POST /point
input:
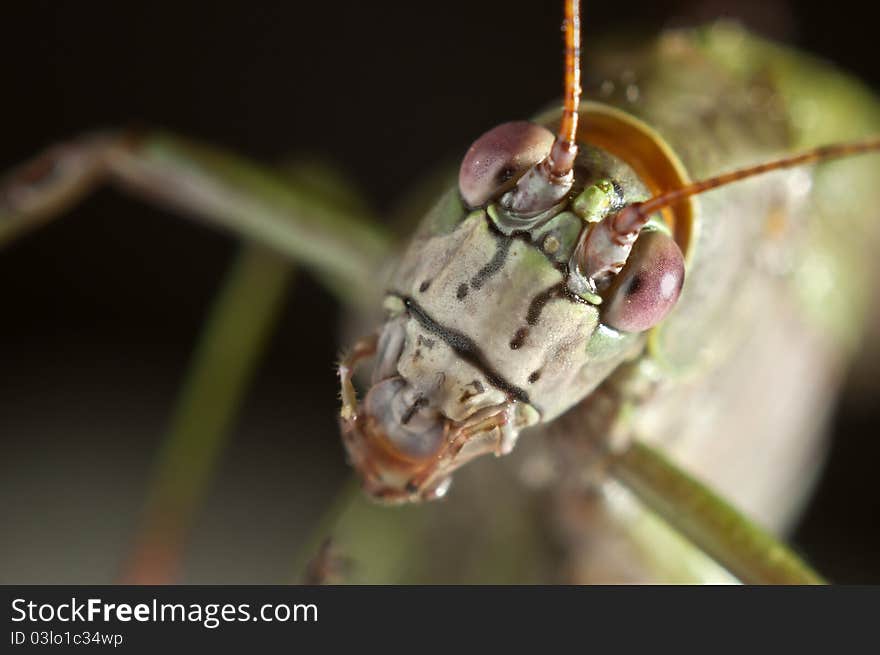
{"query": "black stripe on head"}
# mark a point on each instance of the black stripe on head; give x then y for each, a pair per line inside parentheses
(464, 347)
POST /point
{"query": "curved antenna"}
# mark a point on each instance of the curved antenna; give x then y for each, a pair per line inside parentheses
(605, 248)
(633, 217)
(564, 151)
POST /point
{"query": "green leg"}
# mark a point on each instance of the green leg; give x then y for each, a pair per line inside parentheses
(707, 521)
(316, 226)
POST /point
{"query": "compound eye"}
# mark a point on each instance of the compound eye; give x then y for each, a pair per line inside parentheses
(499, 158)
(647, 287)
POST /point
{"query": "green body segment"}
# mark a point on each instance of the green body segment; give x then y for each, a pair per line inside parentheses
(823, 105)
(779, 278)
(813, 225)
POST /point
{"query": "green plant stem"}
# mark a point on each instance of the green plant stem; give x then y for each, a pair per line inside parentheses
(232, 341)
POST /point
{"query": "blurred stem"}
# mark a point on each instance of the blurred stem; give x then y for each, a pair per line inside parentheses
(718, 529)
(233, 339)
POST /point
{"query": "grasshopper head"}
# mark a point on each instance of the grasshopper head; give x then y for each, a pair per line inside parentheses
(514, 301)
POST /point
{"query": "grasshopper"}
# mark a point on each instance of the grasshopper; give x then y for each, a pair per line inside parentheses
(543, 292)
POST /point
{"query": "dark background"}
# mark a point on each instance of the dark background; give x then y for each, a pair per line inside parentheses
(100, 310)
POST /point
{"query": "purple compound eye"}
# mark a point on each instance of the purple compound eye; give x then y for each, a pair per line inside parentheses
(648, 286)
(499, 158)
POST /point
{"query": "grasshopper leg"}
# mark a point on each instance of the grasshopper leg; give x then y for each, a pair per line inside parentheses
(714, 526)
(315, 228)
(675, 520)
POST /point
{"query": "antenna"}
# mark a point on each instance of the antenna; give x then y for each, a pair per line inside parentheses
(548, 181)
(633, 217)
(562, 155)
(605, 248)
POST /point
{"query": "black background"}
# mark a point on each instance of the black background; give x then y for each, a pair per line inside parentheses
(100, 310)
